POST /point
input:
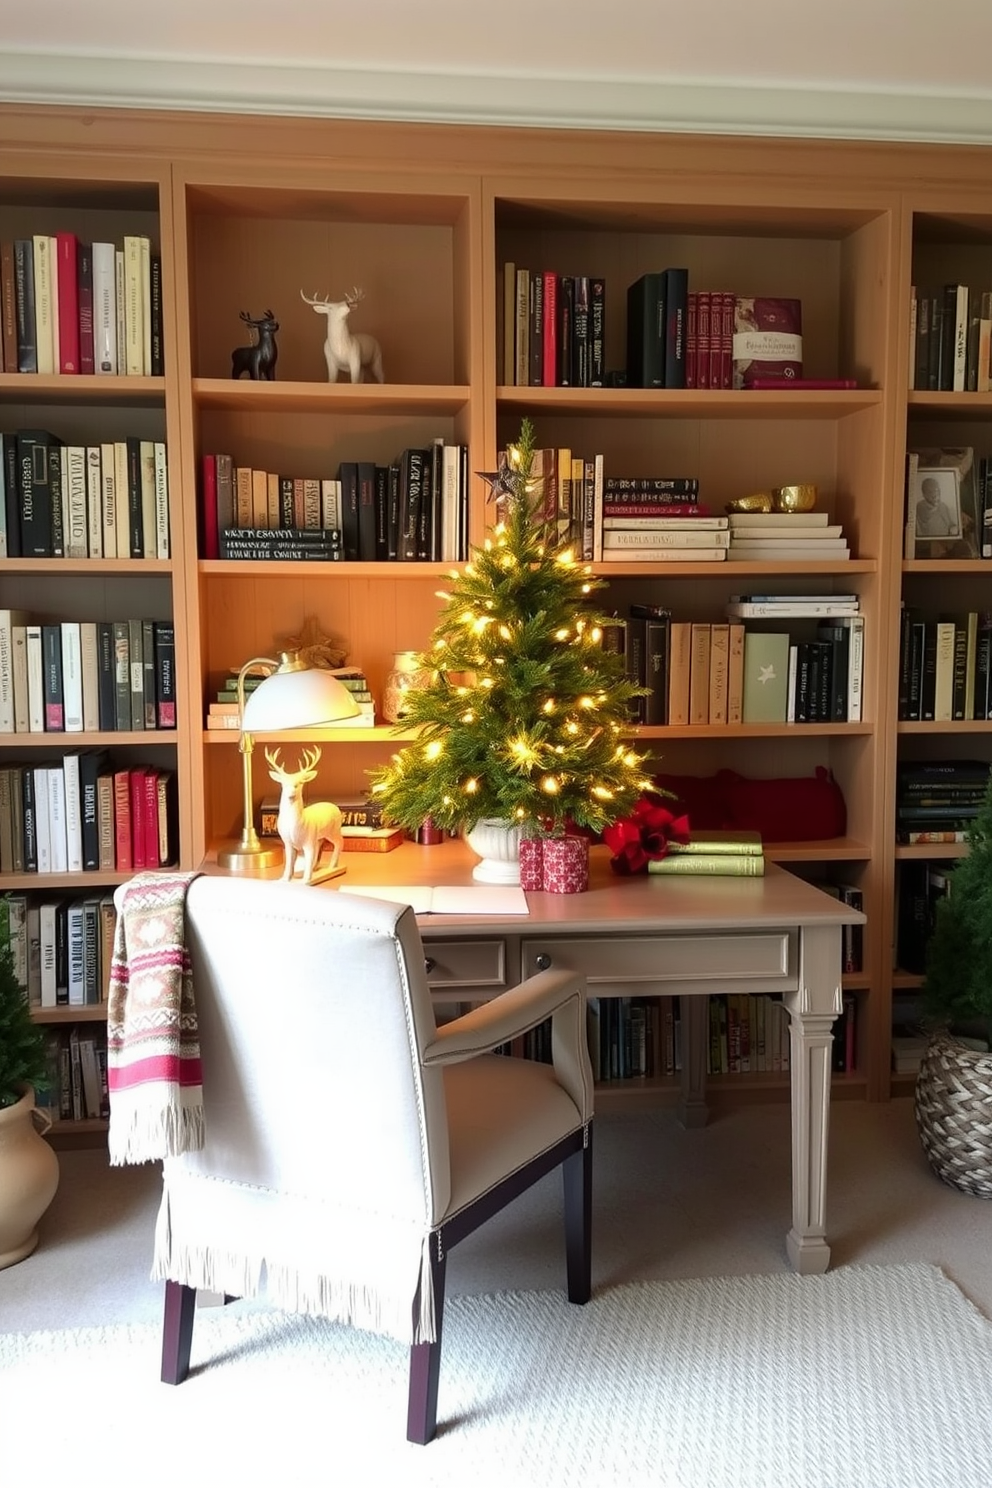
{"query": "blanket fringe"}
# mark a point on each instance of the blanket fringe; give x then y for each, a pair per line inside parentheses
(146, 1135)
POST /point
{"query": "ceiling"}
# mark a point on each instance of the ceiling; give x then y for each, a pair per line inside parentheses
(893, 69)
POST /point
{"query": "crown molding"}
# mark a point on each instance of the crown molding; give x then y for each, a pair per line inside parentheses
(576, 103)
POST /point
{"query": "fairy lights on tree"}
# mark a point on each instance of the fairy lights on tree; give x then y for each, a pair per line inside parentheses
(525, 714)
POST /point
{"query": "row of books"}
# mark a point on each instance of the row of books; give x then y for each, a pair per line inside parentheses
(69, 306)
(633, 1038)
(682, 338)
(414, 509)
(921, 884)
(61, 948)
(86, 676)
(554, 328)
(937, 800)
(945, 666)
(224, 712)
(107, 500)
(85, 814)
(786, 537)
(597, 514)
(721, 672)
(951, 335)
(77, 1061)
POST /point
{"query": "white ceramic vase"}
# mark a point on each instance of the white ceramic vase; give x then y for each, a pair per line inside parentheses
(497, 844)
(29, 1176)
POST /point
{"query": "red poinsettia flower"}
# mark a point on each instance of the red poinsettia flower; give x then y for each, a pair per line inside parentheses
(644, 835)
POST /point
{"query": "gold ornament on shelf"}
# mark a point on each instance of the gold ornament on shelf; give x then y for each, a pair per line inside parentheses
(759, 501)
(794, 498)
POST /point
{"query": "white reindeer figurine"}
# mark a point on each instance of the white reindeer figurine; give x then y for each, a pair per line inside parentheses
(344, 352)
(304, 829)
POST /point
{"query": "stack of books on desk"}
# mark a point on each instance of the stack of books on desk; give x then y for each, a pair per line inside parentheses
(735, 854)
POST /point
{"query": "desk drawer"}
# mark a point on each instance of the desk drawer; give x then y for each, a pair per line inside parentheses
(456, 964)
(754, 961)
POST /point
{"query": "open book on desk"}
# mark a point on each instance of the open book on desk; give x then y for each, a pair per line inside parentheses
(480, 899)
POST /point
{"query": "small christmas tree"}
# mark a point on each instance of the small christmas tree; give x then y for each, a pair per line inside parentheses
(23, 1043)
(525, 713)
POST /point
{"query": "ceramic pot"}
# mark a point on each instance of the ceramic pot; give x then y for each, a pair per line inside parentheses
(497, 844)
(565, 865)
(29, 1176)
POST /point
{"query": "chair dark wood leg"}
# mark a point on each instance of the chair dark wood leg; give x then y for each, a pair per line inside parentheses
(177, 1331)
(577, 1175)
(425, 1369)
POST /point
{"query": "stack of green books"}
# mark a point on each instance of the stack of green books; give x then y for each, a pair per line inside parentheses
(737, 854)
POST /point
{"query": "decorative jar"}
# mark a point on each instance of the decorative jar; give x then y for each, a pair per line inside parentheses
(406, 676)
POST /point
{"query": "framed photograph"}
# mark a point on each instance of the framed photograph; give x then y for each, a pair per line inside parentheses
(942, 504)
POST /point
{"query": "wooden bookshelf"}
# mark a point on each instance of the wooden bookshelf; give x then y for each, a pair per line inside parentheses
(249, 211)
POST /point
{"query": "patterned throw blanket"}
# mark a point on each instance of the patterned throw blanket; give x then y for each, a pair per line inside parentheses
(153, 1055)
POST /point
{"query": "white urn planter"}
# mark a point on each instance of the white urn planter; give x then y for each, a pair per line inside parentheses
(29, 1176)
(497, 844)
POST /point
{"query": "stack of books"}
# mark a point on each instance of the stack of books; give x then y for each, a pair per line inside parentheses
(937, 800)
(786, 536)
(686, 539)
(738, 854)
(223, 712)
(355, 680)
(362, 828)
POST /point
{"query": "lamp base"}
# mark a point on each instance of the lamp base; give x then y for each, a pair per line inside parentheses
(241, 859)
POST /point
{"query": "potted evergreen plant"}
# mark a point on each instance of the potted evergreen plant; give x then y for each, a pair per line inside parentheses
(29, 1169)
(954, 1087)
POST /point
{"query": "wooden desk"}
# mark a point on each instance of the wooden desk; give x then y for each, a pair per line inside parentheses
(650, 936)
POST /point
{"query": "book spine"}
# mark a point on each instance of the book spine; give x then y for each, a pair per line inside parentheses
(84, 301)
(165, 674)
(104, 309)
(155, 315)
(27, 336)
(8, 305)
(67, 271)
(738, 865)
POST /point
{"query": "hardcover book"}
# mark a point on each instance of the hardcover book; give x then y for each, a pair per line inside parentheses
(766, 673)
(768, 340)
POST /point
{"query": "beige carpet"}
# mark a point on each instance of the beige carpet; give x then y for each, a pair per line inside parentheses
(868, 1377)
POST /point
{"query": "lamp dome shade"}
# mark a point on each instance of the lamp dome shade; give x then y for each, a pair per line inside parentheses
(298, 698)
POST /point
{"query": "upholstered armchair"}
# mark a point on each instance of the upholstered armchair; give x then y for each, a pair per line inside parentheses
(349, 1142)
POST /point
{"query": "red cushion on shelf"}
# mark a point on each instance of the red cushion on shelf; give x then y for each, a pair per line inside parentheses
(789, 809)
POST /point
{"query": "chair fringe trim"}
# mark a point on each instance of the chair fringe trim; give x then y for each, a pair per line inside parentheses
(239, 1273)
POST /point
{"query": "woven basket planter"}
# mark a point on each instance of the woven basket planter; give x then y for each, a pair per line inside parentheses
(954, 1114)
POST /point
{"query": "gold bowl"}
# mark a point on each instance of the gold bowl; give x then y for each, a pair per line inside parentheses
(794, 498)
(759, 501)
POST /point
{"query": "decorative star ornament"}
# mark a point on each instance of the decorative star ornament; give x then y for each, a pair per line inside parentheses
(502, 482)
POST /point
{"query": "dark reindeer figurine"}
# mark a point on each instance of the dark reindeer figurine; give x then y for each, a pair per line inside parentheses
(259, 360)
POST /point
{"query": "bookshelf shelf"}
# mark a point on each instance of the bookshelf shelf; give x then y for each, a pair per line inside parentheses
(69, 1015)
(60, 743)
(276, 568)
(123, 392)
(327, 398)
(678, 403)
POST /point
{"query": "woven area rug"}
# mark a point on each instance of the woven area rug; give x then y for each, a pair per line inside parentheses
(875, 1377)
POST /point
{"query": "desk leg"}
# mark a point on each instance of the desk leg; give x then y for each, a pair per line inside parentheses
(692, 1110)
(812, 1010)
